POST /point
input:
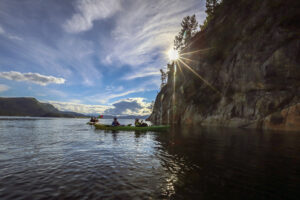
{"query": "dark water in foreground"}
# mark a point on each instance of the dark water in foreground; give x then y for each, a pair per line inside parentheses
(67, 159)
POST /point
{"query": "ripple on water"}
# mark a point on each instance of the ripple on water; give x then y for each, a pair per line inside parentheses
(64, 158)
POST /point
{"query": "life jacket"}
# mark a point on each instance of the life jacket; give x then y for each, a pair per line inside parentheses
(115, 123)
(137, 124)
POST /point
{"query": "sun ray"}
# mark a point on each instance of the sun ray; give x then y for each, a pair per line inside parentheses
(180, 68)
(174, 92)
(192, 52)
(178, 63)
(191, 43)
(188, 59)
(200, 77)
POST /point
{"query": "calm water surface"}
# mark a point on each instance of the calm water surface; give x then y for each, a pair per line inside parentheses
(44, 158)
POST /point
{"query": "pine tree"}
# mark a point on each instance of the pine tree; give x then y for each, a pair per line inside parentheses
(189, 27)
(211, 6)
(194, 25)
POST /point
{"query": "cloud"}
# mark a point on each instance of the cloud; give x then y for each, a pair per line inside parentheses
(111, 88)
(130, 106)
(140, 31)
(3, 88)
(145, 72)
(8, 35)
(71, 57)
(31, 77)
(107, 96)
(145, 30)
(88, 12)
(46, 48)
(1, 30)
(56, 93)
(134, 34)
(79, 108)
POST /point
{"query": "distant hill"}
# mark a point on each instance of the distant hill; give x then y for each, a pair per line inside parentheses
(31, 107)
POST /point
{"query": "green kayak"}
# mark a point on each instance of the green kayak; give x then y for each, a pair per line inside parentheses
(131, 128)
(91, 123)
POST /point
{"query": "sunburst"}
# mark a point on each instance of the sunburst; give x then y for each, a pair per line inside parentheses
(173, 54)
(176, 58)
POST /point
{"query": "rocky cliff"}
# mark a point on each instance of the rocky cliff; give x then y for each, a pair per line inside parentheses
(241, 70)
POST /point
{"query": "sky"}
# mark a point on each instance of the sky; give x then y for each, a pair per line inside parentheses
(89, 56)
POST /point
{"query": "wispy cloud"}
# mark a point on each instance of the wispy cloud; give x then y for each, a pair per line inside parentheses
(145, 72)
(3, 88)
(1, 30)
(8, 35)
(107, 96)
(145, 30)
(111, 88)
(56, 93)
(142, 30)
(31, 77)
(88, 12)
(110, 95)
(90, 45)
(70, 57)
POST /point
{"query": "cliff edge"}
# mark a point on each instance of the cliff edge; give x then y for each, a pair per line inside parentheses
(241, 70)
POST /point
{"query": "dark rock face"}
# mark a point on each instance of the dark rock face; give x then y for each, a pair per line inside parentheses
(246, 74)
(286, 119)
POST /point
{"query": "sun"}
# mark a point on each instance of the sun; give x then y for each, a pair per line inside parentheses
(173, 54)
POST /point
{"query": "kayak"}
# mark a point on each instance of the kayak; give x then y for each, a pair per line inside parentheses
(91, 123)
(130, 128)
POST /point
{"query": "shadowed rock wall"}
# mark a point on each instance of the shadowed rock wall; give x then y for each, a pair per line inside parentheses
(248, 70)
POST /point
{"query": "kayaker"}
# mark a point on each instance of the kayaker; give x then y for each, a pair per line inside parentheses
(140, 124)
(93, 119)
(137, 123)
(115, 122)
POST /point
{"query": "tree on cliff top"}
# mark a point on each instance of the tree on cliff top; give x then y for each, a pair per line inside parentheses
(211, 6)
(189, 27)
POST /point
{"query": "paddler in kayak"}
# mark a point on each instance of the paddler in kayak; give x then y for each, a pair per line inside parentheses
(137, 123)
(115, 122)
(94, 119)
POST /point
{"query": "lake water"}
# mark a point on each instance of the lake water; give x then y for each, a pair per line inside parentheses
(54, 158)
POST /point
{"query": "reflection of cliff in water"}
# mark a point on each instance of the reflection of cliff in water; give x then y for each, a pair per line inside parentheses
(114, 134)
(229, 164)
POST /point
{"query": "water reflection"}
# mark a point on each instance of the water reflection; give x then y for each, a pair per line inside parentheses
(61, 159)
(114, 135)
(215, 163)
(139, 134)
